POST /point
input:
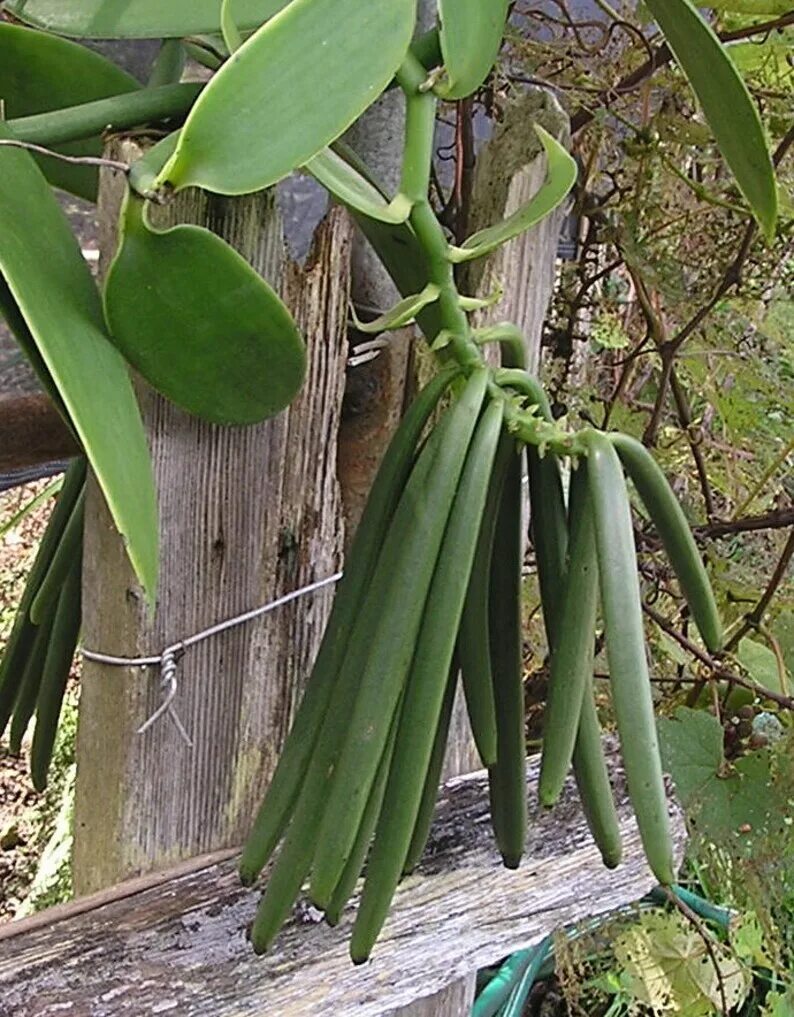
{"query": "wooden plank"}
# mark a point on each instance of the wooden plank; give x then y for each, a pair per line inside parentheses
(180, 946)
(32, 432)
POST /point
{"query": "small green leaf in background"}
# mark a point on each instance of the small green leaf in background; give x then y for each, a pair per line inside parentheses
(40, 73)
(471, 35)
(141, 19)
(745, 803)
(667, 967)
(199, 324)
(691, 747)
(354, 191)
(760, 663)
(560, 177)
(726, 102)
(289, 91)
(608, 332)
(749, 942)
(778, 1004)
(54, 292)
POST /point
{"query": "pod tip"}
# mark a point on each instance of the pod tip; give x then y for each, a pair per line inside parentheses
(511, 861)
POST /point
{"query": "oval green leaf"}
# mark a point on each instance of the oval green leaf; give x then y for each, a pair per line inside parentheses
(55, 294)
(289, 91)
(560, 178)
(471, 35)
(354, 191)
(199, 324)
(140, 19)
(726, 102)
(40, 73)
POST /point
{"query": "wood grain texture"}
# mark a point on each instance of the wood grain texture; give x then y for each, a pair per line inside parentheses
(180, 946)
(247, 514)
(510, 169)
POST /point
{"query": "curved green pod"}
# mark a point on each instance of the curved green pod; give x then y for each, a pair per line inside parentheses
(507, 777)
(23, 632)
(471, 35)
(25, 702)
(592, 780)
(427, 805)
(474, 651)
(199, 324)
(142, 19)
(69, 546)
(354, 865)
(396, 610)
(289, 91)
(390, 480)
(572, 654)
(404, 553)
(669, 519)
(423, 702)
(628, 665)
(40, 73)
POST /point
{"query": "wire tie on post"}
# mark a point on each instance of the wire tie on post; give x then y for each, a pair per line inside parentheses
(168, 660)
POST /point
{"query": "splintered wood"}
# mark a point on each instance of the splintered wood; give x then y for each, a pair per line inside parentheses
(177, 943)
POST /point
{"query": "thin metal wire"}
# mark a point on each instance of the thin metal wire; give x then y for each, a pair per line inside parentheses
(168, 660)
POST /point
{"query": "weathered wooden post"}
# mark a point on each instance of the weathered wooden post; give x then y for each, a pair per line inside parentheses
(246, 516)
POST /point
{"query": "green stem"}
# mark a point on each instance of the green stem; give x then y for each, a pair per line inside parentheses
(118, 112)
(430, 235)
(420, 127)
(415, 180)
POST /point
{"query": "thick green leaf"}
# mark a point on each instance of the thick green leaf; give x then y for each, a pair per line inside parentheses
(402, 313)
(229, 27)
(139, 19)
(40, 73)
(471, 34)
(289, 91)
(199, 324)
(560, 178)
(53, 289)
(728, 106)
(353, 190)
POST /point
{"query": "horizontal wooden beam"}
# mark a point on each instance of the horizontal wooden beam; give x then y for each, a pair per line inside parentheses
(176, 943)
(32, 432)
